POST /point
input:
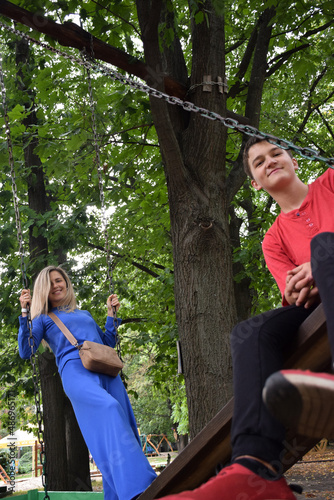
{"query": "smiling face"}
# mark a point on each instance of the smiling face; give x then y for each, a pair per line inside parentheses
(272, 168)
(58, 289)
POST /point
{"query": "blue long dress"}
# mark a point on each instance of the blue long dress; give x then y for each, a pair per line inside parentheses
(100, 402)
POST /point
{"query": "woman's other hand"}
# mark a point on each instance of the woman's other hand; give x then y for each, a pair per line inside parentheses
(113, 304)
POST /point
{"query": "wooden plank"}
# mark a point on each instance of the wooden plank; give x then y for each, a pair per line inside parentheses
(198, 461)
(311, 349)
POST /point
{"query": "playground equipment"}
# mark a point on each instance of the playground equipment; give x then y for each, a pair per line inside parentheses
(149, 448)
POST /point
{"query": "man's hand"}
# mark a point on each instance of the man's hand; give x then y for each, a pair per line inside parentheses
(300, 286)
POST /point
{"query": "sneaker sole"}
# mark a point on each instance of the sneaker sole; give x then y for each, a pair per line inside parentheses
(302, 403)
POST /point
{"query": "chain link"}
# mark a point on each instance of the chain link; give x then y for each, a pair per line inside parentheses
(13, 178)
(308, 153)
(39, 415)
(102, 199)
(35, 376)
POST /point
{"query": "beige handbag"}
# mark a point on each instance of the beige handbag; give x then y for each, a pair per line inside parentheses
(95, 357)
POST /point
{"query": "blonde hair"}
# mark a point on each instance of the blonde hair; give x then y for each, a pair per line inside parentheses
(40, 300)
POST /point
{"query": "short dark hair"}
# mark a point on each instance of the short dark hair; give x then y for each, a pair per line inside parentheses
(251, 141)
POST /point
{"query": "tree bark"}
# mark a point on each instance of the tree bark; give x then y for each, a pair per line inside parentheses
(67, 457)
(64, 452)
(194, 157)
(259, 67)
(54, 424)
(37, 198)
(77, 452)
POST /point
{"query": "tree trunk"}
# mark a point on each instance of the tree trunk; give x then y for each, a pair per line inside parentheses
(54, 424)
(77, 452)
(37, 198)
(67, 455)
(193, 151)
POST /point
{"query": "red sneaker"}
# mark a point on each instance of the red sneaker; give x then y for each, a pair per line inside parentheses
(302, 401)
(236, 482)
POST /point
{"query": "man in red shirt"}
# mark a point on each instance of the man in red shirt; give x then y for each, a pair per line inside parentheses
(299, 252)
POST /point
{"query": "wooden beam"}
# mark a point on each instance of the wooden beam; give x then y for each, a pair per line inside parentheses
(197, 462)
(72, 35)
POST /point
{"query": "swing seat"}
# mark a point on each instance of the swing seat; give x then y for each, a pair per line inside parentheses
(211, 447)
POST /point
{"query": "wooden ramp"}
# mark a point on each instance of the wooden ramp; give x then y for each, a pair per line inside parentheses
(198, 461)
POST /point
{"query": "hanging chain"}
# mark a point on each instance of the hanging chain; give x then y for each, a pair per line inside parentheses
(231, 123)
(102, 200)
(35, 377)
(13, 178)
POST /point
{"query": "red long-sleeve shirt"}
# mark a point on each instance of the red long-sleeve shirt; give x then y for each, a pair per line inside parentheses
(286, 244)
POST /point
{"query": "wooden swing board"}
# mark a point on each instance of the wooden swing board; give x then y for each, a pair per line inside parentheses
(198, 461)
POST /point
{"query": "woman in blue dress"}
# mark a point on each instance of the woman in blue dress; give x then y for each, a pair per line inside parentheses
(100, 402)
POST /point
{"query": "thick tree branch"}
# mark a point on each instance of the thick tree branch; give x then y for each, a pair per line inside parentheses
(71, 35)
(139, 266)
(310, 106)
(125, 21)
(318, 30)
(246, 60)
(133, 320)
(282, 58)
(254, 95)
(259, 67)
(149, 18)
(325, 122)
(235, 46)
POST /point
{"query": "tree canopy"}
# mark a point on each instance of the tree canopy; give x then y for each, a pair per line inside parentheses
(185, 228)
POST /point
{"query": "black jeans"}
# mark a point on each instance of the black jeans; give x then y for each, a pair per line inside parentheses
(258, 345)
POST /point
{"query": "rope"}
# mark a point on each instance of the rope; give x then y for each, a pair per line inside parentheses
(40, 433)
(305, 152)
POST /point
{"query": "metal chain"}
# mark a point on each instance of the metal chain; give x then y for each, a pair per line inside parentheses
(37, 393)
(13, 178)
(35, 376)
(102, 200)
(305, 152)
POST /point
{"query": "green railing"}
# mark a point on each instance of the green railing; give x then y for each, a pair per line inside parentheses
(61, 495)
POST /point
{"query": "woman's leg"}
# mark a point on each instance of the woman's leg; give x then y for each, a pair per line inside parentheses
(107, 423)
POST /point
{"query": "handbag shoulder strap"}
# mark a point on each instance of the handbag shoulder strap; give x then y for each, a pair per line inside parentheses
(64, 329)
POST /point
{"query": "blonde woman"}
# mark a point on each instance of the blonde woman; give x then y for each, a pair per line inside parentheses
(100, 402)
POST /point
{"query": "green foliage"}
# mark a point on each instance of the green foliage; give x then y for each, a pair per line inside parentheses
(135, 198)
(161, 407)
(25, 462)
(5, 460)
(296, 104)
